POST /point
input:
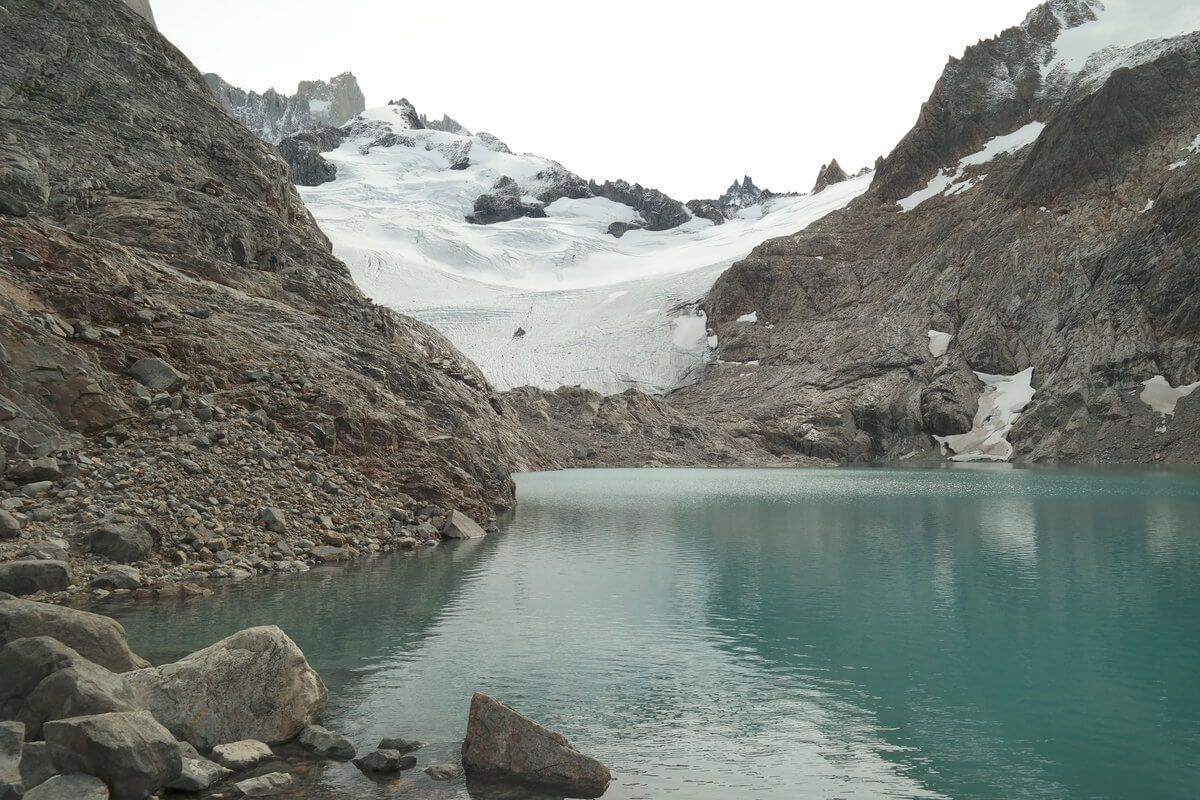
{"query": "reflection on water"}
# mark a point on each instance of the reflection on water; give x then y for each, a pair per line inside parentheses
(782, 634)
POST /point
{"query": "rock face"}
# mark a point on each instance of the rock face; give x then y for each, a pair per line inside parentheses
(502, 204)
(1068, 254)
(504, 744)
(93, 636)
(255, 684)
(129, 751)
(170, 232)
(272, 116)
(302, 152)
(829, 174)
(659, 211)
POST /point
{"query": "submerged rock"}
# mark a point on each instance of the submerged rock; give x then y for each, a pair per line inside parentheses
(399, 744)
(443, 772)
(385, 761)
(130, 751)
(326, 743)
(265, 785)
(503, 744)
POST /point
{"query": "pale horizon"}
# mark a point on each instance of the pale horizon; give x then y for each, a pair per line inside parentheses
(678, 96)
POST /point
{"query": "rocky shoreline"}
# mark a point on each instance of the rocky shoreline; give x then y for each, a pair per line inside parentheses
(204, 488)
(82, 717)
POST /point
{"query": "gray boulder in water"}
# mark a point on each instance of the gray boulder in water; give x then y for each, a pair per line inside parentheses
(503, 744)
(460, 526)
(255, 684)
(130, 751)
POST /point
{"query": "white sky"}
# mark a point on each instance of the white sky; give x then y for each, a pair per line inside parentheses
(682, 95)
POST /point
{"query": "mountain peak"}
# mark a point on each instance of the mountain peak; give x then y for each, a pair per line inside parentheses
(273, 117)
(829, 174)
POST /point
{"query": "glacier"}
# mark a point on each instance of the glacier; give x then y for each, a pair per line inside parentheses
(546, 301)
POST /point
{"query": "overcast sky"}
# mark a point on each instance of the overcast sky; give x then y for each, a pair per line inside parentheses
(682, 95)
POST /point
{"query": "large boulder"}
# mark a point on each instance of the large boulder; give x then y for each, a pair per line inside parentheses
(69, 787)
(156, 374)
(10, 526)
(12, 740)
(46, 468)
(122, 541)
(81, 689)
(97, 638)
(255, 684)
(503, 744)
(130, 751)
(460, 526)
(24, 663)
(27, 577)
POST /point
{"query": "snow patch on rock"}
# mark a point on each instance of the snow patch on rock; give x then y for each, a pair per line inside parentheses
(939, 343)
(950, 180)
(1004, 398)
(1162, 397)
(752, 318)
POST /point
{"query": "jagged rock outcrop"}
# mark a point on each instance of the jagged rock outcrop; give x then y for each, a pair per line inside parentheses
(446, 124)
(1073, 256)
(169, 231)
(503, 203)
(658, 211)
(829, 174)
(996, 87)
(740, 195)
(302, 153)
(273, 116)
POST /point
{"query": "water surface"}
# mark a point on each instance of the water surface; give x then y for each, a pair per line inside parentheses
(874, 633)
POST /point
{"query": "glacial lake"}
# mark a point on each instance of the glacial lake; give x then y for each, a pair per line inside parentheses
(974, 634)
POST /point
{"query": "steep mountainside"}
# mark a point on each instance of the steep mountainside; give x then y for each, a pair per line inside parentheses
(1022, 279)
(169, 231)
(273, 116)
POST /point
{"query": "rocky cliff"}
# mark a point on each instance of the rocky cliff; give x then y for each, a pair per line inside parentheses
(1033, 234)
(169, 232)
(273, 116)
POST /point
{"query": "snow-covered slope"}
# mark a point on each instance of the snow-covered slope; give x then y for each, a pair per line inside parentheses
(534, 301)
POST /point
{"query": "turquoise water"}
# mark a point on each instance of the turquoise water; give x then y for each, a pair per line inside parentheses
(965, 633)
